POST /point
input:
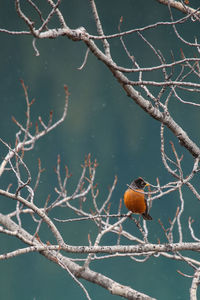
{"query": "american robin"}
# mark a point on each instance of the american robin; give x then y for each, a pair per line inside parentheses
(134, 198)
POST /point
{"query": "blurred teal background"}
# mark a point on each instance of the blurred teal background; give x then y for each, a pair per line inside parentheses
(102, 121)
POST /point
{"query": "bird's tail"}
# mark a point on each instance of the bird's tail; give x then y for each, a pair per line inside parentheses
(146, 216)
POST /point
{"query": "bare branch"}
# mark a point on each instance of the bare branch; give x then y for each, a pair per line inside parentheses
(171, 77)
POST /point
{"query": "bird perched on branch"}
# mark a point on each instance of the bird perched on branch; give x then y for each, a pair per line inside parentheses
(134, 198)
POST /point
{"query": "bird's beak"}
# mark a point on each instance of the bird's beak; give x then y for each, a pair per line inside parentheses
(147, 184)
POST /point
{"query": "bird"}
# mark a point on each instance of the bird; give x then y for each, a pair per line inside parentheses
(134, 198)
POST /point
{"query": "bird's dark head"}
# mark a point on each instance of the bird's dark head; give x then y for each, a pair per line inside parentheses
(139, 183)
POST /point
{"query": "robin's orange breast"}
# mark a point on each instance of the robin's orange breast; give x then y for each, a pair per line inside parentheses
(135, 201)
